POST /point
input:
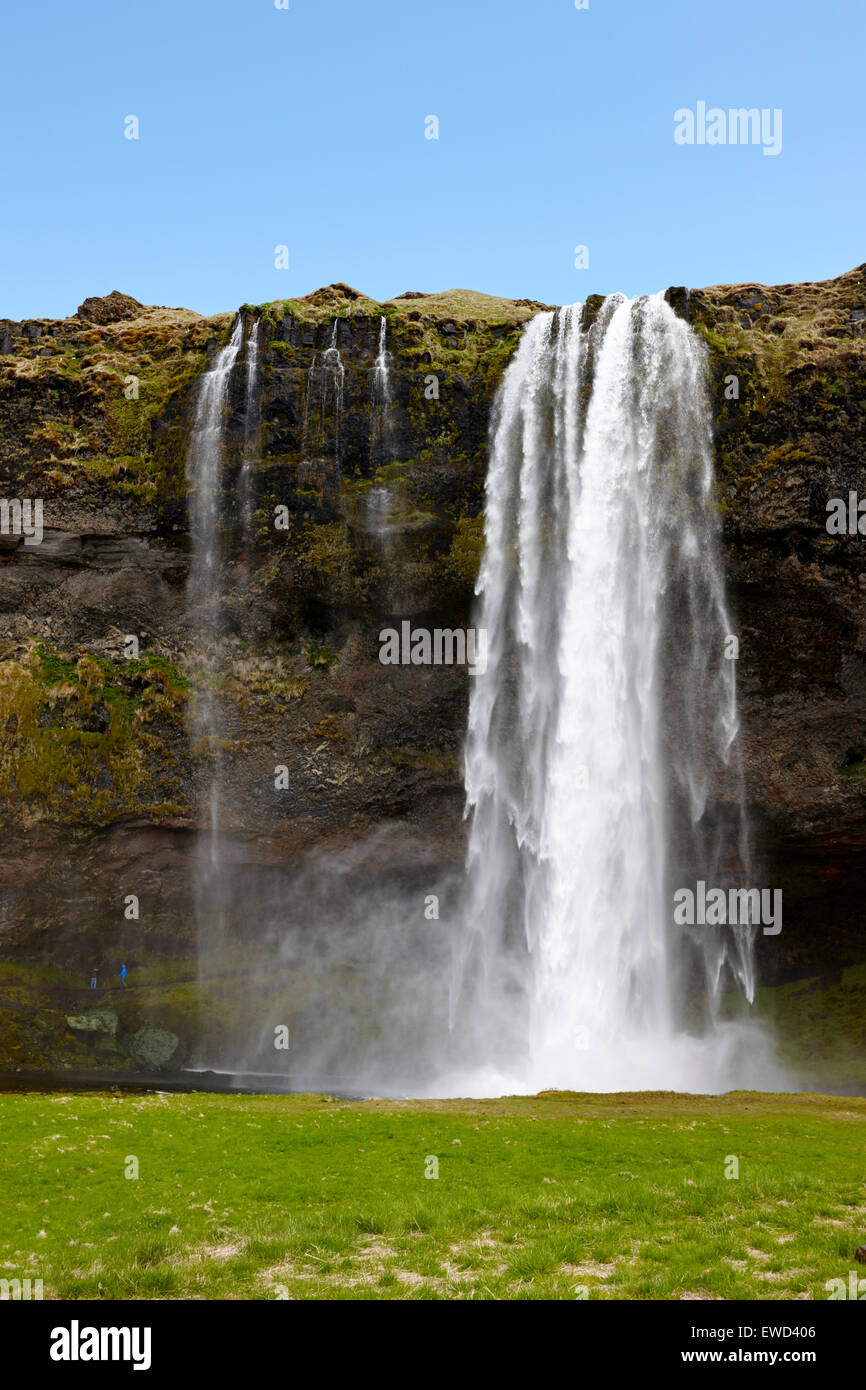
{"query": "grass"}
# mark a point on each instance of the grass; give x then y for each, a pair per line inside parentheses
(820, 1027)
(559, 1196)
(324, 304)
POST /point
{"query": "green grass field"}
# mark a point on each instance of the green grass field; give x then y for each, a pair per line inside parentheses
(559, 1196)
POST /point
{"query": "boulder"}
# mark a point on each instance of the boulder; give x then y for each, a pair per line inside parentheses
(100, 1021)
(153, 1047)
(109, 308)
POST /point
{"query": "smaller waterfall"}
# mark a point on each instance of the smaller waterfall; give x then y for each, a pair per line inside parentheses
(379, 501)
(378, 505)
(324, 395)
(205, 607)
(251, 432)
(382, 384)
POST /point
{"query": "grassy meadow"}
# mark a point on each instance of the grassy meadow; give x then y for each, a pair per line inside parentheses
(559, 1196)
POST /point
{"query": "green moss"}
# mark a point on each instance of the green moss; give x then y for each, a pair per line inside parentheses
(790, 452)
(393, 472)
(467, 548)
(425, 760)
(210, 745)
(820, 1027)
(128, 378)
(77, 734)
(128, 424)
(327, 562)
(715, 342)
(318, 654)
(56, 668)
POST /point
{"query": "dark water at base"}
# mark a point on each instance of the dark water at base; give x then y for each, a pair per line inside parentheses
(219, 1083)
(252, 1084)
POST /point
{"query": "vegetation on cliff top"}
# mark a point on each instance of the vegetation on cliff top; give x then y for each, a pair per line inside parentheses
(786, 360)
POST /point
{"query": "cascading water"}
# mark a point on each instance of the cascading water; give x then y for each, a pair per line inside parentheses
(601, 763)
(251, 429)
(382, 385)
(605, 720)
(379, 496)
(205, 602)
(324, 396)
(204, 476)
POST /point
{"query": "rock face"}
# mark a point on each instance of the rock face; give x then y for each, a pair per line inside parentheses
(788, 373)
(381, 513)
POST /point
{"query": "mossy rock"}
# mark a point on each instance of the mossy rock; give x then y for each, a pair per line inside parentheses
(153, 1047)
(100, 1021)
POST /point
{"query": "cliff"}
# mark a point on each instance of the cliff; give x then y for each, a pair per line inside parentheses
(382, 521)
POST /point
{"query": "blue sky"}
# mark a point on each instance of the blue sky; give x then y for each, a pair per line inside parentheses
(305, 127)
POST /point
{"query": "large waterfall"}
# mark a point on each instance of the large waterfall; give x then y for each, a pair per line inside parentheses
(605, 721)
(204, 475)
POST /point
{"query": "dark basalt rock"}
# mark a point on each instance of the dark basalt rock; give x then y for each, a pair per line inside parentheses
(109, 308)
(368, 745)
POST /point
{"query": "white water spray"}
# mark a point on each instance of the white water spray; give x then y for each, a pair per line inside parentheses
(382, 381)
(379, 501)
(204, 477)
(324, 396)
(205, 601)
(251, 432)
(601, 741)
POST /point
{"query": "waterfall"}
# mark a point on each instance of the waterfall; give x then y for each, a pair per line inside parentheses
(204, 476)
(602, 739)
(381, 369)
(205, 606)
(378, 502)
(602, 765)
(381, 391)
(251, 428)
(325, 381)
(378, 506)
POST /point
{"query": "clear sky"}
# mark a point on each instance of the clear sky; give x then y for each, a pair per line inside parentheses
(305, 127)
